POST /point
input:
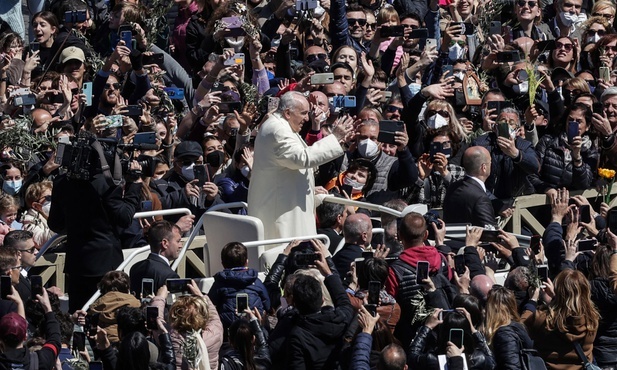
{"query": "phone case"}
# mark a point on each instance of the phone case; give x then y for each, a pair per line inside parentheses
(87, 91)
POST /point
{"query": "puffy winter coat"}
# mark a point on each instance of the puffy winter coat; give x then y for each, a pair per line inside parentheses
(605, 345)
(507, 343)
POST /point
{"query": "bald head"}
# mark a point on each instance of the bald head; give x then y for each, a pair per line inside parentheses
(41, 119)
(392, 357)
(358, 229)
(480, 286)
(473, 159)
(525, 43)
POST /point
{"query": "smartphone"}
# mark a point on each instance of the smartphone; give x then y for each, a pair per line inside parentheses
(534, 243)
(393, 31)
(233, 25)
(421, 271)
(368, 254)
(27, 100)
(456, 337)
(467, 28)
(174, 93)
(374, 289)
(584, 213)
(34, 46)
(447, 69)
(5, 286)
(242, 302)
(305, 4)
(147, 287)
(489, 236)
(86, 89)
(95, 365)
(498, 106)
(388, 129)
(54, 98)
(371, 308)
(114, 121)
(587, 245)
(36, 284)
(152, 314)
(605, 74)
(134, 110)
(385, 96)
(273, 103)
(305, 259)
(442, 312)
(418, 33)
(572, 131)
(437, 147)
(177, 285)
(347, 189)
(503, 130)
(201, 174)
(348, 101)
(92, 323)
(543, 273)
(146, 205)
(322, 79)
(237, 59)
(598, 108)
(79, 341)
(231, 106)
(127, 37)
(145, 138)
(508, 56)
(157, 59)
(459, 264)
(495, 28)
(430, 44)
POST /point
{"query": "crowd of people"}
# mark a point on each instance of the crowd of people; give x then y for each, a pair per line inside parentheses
(110, 108)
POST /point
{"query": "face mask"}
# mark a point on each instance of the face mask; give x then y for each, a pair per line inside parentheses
(567, 18)
(46, 207)
(356, 186)
(456, 52)
(415, 88)
(11, 187)
(318, 11)
(187, 172)
(521, 88)
(235, 42)
(270, 75)
(367, 148)
(592, 88)
(436, 121)
(216, 158)
(245, 171)
(321, 118)
(593, 39)
(459, 76)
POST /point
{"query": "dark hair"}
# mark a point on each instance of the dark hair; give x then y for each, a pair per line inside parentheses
(601, 263)
(8, 259)
(472, 305)
(234, 254)
(493, 92)
(367, 165)
(454, 320)
(14, 238)
(114, 281)
(415, 16)
(342, 65)
(158, 231)
(556, 127)
(67, 6)
(130, 319)
(131, 12)
(241, 339)
(8, 39)
(307, 294)
(133, 352)
(327, 214)
(412, 228)
(66, 327)
(48, 17)
(375, 269)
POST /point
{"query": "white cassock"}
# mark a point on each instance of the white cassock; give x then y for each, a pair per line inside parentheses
(282, 181)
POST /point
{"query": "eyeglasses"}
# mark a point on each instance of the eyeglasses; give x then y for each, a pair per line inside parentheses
(522, 3)
(596, 32)
(46, 198)
(442, 113)
(18, 268)
(566, 47)
(115, 86)
(608, 16)
(371, 25)
(30, 250)
(313, 57)
(460, 43)
(612, 48)
(359, 21)
(393, 108)
(75, 91)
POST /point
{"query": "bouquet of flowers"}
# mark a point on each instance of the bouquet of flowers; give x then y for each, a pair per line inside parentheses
(608, 176)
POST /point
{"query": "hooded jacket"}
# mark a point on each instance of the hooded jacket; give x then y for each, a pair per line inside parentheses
(228, 283)
(107, 306)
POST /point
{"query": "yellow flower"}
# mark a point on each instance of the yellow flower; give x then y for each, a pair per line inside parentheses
(606, 173)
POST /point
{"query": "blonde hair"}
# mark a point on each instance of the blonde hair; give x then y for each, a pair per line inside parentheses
(577, 83)
(386, 14)
(572, 299)
(7, 202)
(501, 310)
(455, 125)
(189, 313)
(36, 191)
(603, 4)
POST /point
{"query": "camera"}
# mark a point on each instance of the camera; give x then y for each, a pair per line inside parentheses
(432, 218)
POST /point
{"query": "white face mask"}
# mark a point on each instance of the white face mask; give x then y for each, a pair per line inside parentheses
(415, 88)
(459, 76)
(521, 88)
(187, 172)
(321, 118)
(567, 18)
(46, 207)
(245, 171)
(356, 186)
(235, 42)
(456, 52)
(436, 121)
(318, 11)
(593, 39)
(368, 148)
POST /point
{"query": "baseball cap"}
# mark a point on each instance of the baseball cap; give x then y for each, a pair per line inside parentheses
(188, 149)
(13, 328)
(72, 53)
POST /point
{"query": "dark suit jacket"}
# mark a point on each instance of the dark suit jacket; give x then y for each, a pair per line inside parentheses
(466, 201)
(153, 268)
(335, 238)
(343, 259)
(23, 288)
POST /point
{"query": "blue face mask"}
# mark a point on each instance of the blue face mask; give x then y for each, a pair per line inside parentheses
(11, 187)
(270, 75)
(592, 88)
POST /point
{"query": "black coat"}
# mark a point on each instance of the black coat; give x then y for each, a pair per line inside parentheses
(605, 345)
(507, 343)
(466, 201)
(154, 268)
(343, 258)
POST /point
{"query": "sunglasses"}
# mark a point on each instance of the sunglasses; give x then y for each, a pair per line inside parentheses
(612, 48)
(566, 47)
(522, 3)
(354, 21)
(597, 32)
(371, 25)
(591, 83)
(313, 57)
(115, 86)
(75, 91)
(392, 109)
(461, 43)
(442, 113)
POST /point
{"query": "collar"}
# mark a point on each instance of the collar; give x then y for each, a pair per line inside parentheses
(557, 30)
(478, 181)
(161, 257)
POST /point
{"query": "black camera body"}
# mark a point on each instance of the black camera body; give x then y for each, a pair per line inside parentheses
(432, 218)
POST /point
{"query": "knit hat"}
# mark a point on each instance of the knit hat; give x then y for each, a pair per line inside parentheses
(13, 328)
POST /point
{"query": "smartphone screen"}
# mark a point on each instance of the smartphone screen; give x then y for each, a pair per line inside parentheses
(151, 316)
(587, 245)
(95, 365)
(543, 273)
(87, 91)
(79, 341)
(459, 264)
(242, 302)
(93, 324)
(374, 289)
(146, 206)
(371, 308)
(421, 271)
(612, 220)
(534, 243)
(456, 337)
(200, 174)
(572, 130)
(147, 287)
(5, 286)
(584, 213)
(36, 283)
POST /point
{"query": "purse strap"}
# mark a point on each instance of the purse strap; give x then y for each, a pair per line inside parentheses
(580, 353)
